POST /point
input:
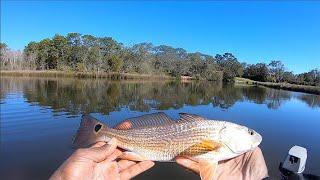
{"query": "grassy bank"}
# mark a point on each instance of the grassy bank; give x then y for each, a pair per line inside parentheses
(239, 80)
(285, 86)
(114, 76)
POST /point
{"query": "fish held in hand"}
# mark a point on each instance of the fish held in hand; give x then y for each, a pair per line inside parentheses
(157, 137)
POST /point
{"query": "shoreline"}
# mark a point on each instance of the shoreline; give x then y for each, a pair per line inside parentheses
(111, 75)
(284, 86)
(133, 76)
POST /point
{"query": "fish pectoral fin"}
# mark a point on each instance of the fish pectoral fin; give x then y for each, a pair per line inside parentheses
(210, 144)
(128, 155)
(208, 169)
(201, 148)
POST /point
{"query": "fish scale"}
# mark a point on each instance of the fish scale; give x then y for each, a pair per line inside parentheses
(167, 141)
(156, 137)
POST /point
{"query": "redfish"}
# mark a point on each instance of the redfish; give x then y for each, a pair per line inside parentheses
(157, 137)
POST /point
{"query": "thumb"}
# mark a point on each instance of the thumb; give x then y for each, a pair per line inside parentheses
(99, 154)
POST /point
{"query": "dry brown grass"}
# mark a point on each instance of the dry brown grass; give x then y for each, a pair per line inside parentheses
(292, 87)
(112, 75)
(285, 86)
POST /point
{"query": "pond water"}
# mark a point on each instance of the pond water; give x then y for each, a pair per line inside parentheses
(39, 117)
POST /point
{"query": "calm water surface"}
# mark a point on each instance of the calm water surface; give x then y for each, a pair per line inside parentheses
(39, 117)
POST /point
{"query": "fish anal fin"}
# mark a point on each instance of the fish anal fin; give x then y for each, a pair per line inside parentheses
(201, 148)
(189, 117)
(208, 169)
(128, 155)
(148, 120)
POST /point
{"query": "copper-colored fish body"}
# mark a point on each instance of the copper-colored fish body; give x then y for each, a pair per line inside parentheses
(164, 143)
(191, 136)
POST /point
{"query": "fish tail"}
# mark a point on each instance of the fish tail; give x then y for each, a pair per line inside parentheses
(89, 132)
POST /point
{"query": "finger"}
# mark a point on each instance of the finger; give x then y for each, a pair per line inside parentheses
(124, 164)
(127, 155)
(99, 154)
(114, 155)
(188, 163)
(98, 144)
(124, 125)
(136, 169)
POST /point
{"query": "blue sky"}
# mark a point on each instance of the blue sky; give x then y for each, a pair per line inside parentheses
(254, 32)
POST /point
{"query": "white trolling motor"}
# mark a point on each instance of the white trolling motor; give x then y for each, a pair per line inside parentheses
(294, 164)
(296, 159)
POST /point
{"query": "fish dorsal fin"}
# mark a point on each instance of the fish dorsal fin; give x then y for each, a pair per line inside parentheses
(201, 148)
(189, 117)
(148, 120)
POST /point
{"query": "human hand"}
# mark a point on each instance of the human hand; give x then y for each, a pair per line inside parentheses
(99, 162)
(250, 165)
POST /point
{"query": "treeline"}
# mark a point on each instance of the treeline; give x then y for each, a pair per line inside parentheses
(86, 53)
(76, 52)
(275, 71)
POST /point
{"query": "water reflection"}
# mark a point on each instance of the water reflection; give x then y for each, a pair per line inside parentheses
(312, 100)
(99, 95)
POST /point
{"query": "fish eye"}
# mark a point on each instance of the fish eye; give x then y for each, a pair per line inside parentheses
(97, 127)
(250, 131)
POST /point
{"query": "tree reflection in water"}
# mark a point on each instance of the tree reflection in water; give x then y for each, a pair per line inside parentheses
(78, 96)
(312, 100)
